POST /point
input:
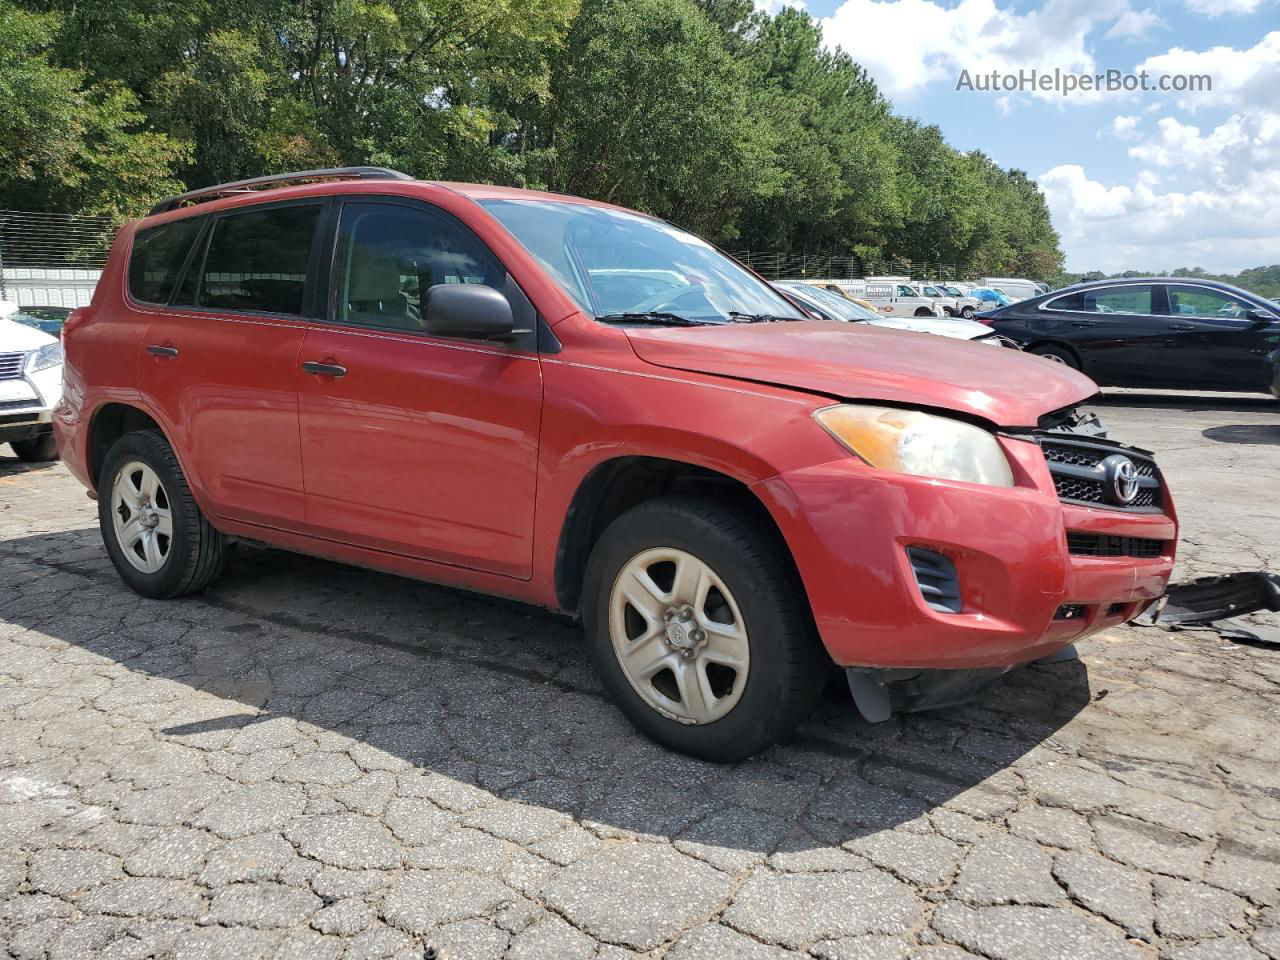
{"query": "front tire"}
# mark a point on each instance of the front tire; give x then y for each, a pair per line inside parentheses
(967, 313)
(40, 449)
(160, 543)
(699, 630)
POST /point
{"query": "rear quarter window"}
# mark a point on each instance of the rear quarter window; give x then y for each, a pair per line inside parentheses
(157, 257)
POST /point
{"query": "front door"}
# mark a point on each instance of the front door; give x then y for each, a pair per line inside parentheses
(414, 444)
(221, 361)
(1215, 342)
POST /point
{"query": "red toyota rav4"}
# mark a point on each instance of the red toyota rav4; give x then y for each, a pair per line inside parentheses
(585, 408)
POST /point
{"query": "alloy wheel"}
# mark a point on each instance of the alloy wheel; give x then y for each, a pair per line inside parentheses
(679, 635)
(141, 517)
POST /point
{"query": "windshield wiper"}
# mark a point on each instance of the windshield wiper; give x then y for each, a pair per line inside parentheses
(739, 317)
(651, 316)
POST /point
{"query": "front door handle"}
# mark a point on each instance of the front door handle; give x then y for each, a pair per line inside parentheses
(324, 369)
(1182, 326)
(1084, 323)
(159, 350)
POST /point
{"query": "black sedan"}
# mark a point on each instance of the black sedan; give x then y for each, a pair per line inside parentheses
(1160, 332)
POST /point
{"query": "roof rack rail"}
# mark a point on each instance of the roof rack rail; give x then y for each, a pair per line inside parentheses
(247, 186)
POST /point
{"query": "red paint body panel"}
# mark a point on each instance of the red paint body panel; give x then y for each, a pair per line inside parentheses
(458, 462)
(856, 361)
(426, 448)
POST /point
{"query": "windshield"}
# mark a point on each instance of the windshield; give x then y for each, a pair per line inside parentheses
(614, 263)
(832, 303)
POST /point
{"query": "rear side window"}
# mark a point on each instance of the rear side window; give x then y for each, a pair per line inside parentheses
(257, 260)
(157, 257)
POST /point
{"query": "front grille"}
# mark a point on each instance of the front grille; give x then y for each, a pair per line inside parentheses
(1104, 545)
(11, 365)
(1083, 472)
(936, 578)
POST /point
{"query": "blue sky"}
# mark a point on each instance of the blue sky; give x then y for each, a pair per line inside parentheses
(1134, 181)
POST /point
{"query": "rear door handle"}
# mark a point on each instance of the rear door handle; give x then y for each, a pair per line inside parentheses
(1182, 326)
(1084, 323)
(324, 369)
(157, 350)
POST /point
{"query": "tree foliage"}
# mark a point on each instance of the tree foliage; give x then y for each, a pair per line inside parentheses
(732, 122)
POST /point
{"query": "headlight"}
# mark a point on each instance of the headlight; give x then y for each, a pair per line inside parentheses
(50, 355)
(908, 441)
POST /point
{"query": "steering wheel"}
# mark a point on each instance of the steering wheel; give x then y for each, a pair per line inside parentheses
(662, 300)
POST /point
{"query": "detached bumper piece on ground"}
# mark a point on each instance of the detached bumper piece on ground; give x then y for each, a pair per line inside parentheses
(1207, 602)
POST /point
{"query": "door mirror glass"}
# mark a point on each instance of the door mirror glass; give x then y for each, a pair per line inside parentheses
(471, 310)
(1262, 316)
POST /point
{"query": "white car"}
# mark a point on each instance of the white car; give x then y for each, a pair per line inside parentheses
(832, 306)
(1014, 288)
(30, 386)
(961, 304)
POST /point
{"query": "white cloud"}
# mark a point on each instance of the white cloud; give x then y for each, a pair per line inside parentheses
(1124, 127)
(1240, 77)
(1216, 8)
(1230, 153)
(908, 44)
(1224, 226)
(1135, 24)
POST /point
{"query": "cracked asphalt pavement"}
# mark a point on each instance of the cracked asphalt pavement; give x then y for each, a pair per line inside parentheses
(313, 761)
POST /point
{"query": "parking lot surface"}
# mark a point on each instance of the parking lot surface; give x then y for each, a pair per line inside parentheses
(316, 761)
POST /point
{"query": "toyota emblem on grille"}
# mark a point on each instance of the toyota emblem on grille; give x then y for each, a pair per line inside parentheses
(1121, 479)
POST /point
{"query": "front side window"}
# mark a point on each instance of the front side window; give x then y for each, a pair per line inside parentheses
(390, 255)
(1191, 301)
(257, 260)
(157, 257)
(613, 263)
(1135, 299)
(904, 291)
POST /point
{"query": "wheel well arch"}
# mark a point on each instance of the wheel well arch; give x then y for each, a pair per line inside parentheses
(1060, 344)
(110, 422)
(617, 485)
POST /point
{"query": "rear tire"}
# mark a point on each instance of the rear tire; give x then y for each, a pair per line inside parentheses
(39, 449)
(160, 543)
(1057, 355)
(757, 670)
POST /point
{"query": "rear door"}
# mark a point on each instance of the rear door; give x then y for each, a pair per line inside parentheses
(415, 444)
(220, 363)
(1215, 344)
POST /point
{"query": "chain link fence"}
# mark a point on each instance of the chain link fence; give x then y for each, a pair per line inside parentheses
(51, 259)
(802, 266)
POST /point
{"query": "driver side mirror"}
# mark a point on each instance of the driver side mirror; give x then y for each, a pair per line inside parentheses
(470, 310)
(1261, 316)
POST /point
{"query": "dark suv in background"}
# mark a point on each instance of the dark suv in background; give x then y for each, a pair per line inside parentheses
(1160, 332)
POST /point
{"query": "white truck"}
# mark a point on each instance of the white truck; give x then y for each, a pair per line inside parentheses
(1013, 287)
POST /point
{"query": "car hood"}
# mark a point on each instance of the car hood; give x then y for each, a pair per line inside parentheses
(18, 336)
(857, 361)
(960, 329)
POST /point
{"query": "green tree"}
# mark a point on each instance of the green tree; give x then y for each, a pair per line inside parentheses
(649, 110)
(65, 143)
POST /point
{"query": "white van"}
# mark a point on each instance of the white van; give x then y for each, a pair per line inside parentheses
(1012, 287)
(900, 299)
